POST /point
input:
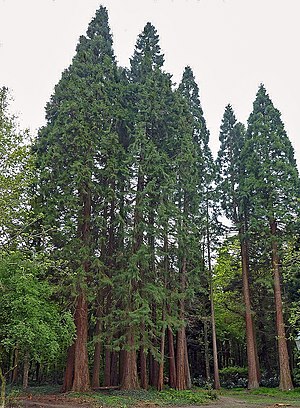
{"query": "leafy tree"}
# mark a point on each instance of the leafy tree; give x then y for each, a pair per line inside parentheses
(32, 325)
(16, 173)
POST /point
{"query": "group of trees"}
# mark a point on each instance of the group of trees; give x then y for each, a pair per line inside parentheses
(111, 215)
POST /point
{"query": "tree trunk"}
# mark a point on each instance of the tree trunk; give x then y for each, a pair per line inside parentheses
(212, 305)
(253, 381)
(284, 365)
(81, 382)
(129, 374)
(69, 373)
(3, 387)
(172, 362)
(186, 364)
(180, 360)
(181, 373)
(143, 363)
(107, 369)
(114, 368)
(160, 380)
(97, 356)
(14, 374)
(153, 370)
(26, 370)
(206, 350)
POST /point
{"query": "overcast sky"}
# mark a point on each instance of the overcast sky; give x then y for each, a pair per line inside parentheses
(231, 45)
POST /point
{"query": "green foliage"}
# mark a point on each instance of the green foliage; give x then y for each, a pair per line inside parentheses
(271, 181)
(125, 399)
(228, 293)
(16, 173)
(30, 319)
(231, 377)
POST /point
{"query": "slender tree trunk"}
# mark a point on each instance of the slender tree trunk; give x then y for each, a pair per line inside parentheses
(107, 369)
(172, 362)
(180, 360)
(186, 364)
(160, 380)
(206, 350)
(181, 373)
(253, 377)
(97, 355)
(143, 363)
(212, 304)
(81, 381)
(143, 360)
(69, 373)
(14, 373)
(284, 365)
(129, 375)
(26, 370)
(3, 387)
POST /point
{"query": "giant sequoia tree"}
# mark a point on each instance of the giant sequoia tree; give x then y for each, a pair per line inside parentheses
(271, 185)
(235, 206)
(67, 159)
(125, 183)
(198, 170)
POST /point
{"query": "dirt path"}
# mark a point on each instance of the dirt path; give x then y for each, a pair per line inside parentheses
(58, 402)
(229, 402)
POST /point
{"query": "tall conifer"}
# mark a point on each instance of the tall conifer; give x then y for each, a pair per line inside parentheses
(230, 171)
(271, 185)
(67, 148)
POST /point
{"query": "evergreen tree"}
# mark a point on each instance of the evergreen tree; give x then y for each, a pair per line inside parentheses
(68, 147)
(195, 174)
(271, 185)
(230, 171)
(151, 95)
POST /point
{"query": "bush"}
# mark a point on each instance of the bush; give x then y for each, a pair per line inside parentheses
(232, 377)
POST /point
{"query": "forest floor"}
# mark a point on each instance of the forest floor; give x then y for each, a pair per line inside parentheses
(222, 402)
(264, 398)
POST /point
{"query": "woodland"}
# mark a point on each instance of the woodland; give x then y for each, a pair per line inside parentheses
(129, 256)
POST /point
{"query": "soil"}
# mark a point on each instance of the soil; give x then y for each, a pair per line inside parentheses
(55, 401)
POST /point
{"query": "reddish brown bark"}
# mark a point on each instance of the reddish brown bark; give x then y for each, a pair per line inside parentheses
(160, 380)
(284, 365)
(129, 374)
(253, 376)
(181, 383)
(81, 381)
(143, 363)
(153, 371)
(186, 364)
(114, 368)
(81, 378)
(212, 306)
(68, 378)
(107, 369)
(182, 366)
(172, 362)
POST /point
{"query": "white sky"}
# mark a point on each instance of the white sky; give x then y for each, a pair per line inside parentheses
(231, 45)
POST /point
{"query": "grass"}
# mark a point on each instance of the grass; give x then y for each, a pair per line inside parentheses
(124, 399)
(265, 395)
